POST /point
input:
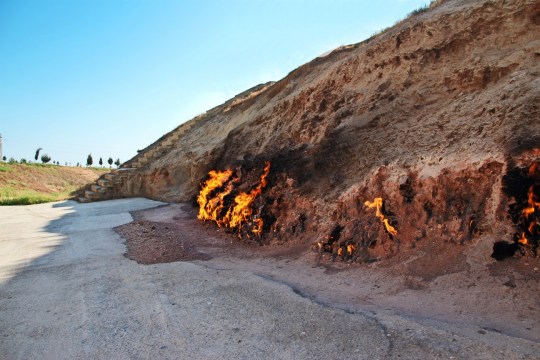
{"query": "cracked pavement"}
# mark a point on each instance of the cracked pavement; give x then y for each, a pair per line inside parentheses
(67, 291)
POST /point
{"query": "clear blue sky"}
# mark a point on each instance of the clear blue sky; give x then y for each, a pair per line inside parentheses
(109, 77)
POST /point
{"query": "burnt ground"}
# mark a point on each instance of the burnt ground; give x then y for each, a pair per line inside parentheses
(457, 283)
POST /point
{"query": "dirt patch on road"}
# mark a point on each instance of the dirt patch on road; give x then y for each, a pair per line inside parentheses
(152, 243)
(173, 233)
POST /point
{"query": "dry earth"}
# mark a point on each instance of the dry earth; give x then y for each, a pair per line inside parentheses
(438, 116)
(430, 115)
(457, 287)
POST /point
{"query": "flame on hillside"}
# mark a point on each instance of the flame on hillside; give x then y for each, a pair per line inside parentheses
(378, 204)
(208, 208)
(528, 225)
(215, 201)
(350, 248)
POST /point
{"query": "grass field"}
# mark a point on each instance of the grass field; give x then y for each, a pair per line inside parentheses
(25, 184)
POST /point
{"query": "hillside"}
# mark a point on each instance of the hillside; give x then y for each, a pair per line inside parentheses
(429, 116)
(22, 184)
(401, 173)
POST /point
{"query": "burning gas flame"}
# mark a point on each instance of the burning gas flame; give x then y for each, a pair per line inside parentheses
(532, 205)
(242, 210)
(529, 227)
(207, 207)
(523, 239)
(377, 204)
(235, 215)
(531, 208)
(532, 169)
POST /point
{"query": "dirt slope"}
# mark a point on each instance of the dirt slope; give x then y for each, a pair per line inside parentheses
(36, 183)
(430, 116)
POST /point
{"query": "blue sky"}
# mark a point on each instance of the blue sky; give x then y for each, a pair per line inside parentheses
(109, 77)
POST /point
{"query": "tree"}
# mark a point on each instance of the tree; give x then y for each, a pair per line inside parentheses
(78, 164)
(37, 153)
(117, 162)
(4, 158)
(100, 162)
(89, 160)
(110, 161)
(45, 158)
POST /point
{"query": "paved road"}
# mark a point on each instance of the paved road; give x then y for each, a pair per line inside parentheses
(67, 292)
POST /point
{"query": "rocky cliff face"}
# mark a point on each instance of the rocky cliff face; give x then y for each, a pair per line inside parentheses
(429, 116)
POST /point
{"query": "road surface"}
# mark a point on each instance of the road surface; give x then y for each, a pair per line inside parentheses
(67, 292)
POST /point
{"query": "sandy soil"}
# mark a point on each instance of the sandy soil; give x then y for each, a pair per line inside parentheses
(431, 116)
(460, 284)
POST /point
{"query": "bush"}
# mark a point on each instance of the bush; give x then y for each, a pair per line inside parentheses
(12, 160)
(45, 158)
(23, 161)
(419, 10)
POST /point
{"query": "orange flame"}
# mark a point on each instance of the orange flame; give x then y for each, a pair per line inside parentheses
(350, 249)
(532, 204)
(220, 185)
(207, 207)
(531, 211)
(523, 240)
(532, 226)
(257, 229)
(532, 169)
(242, 211)
(378, 203)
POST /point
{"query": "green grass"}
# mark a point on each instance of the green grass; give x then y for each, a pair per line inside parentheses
(13, 196)
(418, 11)
(30, 199)
(26, 184)
(5, 168)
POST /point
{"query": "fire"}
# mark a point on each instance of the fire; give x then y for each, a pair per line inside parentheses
(532, 205)
(529, 220)
(532, 169)
(242, 210)
(523, 239)
(531, 208)
(377, 204)
(207, 207)
(213, 204)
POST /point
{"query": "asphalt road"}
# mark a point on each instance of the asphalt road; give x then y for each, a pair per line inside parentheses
(67, 292)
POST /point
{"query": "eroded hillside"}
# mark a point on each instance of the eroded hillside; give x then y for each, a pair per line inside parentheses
(429, 116)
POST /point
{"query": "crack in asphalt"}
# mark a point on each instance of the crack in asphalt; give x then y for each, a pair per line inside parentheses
(326, 305)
